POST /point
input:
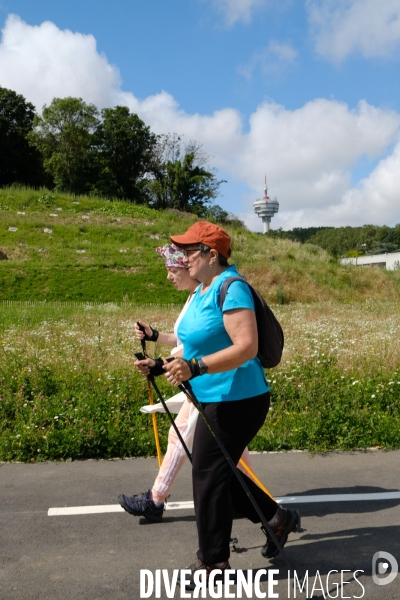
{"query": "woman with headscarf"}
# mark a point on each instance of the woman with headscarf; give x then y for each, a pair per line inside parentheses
(151, 503)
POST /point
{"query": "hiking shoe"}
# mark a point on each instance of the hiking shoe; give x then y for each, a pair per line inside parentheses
(289, 520)
(141, 505)
(199, 565)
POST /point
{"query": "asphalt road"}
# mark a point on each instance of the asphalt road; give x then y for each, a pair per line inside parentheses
(100, 556)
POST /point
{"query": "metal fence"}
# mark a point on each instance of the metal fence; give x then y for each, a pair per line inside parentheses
(76, 304)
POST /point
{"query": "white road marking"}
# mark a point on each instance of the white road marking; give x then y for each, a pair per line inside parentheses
(338, 498)
(84, 510)
(110, 508)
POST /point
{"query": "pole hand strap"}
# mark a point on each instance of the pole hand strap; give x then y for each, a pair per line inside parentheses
(154, 334)
(157, 369)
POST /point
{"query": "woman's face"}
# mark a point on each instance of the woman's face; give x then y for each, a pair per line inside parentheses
(198, 263)
(179, 277)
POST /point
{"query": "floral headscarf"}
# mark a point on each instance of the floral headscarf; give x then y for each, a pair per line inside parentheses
(172, 255)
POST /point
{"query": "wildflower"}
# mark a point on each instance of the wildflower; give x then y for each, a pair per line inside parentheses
(373, 396)
(354, 382)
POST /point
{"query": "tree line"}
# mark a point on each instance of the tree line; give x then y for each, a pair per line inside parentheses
(75, 147)
(346, 241)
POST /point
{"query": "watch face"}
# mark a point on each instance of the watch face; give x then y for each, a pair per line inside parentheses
(202, 367)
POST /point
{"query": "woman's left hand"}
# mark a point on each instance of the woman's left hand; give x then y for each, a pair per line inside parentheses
(177, 371)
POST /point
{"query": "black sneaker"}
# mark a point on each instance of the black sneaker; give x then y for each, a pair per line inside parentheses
(289, 520)
(199, 565)
(142, 505)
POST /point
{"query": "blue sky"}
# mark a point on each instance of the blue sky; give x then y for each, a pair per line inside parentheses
(307, 92)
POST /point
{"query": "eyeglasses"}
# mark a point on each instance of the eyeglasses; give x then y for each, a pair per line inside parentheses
(191, 251)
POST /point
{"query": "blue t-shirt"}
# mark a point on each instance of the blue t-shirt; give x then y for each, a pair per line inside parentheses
(202, 332)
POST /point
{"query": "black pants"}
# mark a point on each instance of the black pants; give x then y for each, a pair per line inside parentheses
(216, 490)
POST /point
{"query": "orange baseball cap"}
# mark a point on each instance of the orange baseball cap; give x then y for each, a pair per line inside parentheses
(206, 233)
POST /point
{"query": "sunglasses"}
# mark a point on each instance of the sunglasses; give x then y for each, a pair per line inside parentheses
(190, 251)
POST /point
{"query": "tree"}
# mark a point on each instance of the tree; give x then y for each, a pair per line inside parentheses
(125, 148)
(180, 179)
(64, 136)
(19, 162)
(219, 215)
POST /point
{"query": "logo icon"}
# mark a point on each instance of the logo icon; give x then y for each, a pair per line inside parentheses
(382, 563)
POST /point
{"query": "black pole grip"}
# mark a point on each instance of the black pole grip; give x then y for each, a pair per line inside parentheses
(142, 341)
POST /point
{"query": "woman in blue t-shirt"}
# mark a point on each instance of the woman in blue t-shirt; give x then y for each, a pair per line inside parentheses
(231, 385)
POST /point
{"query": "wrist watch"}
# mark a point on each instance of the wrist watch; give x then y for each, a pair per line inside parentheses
(203, 369)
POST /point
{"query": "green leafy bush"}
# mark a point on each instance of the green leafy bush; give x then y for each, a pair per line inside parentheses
(318, 407)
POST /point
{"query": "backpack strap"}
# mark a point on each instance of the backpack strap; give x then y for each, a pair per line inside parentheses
(224, 287)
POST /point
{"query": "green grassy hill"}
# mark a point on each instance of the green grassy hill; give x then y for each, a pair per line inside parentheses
(57, 247)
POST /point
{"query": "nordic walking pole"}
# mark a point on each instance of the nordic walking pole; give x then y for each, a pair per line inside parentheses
(241, 461)
(154, 419)
(171, 418)
(153, 416)
(246, 467)
(187, 389)
(257, 481)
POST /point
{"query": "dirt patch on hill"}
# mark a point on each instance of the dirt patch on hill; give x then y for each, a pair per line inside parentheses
(20, 253)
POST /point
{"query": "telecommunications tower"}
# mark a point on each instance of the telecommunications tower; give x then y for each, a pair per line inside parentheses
(266, 208)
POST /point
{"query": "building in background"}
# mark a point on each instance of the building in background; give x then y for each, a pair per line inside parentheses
(389, 260)
(266, 208)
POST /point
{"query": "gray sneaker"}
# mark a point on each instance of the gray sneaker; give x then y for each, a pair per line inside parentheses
(141, 505)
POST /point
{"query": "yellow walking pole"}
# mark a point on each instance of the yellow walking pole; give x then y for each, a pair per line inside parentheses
(255, 479)
(153, 416)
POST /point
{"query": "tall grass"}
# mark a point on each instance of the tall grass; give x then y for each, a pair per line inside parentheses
(69, 389)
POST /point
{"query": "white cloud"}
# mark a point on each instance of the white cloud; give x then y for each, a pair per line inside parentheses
(44, 62)
(308, 153)
(380, 192)
(273, 58)
(235, 11)
(344, 27)
(376, 200)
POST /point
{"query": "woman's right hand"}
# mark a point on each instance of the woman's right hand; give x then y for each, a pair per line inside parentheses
(139, 333)
(144, 365)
